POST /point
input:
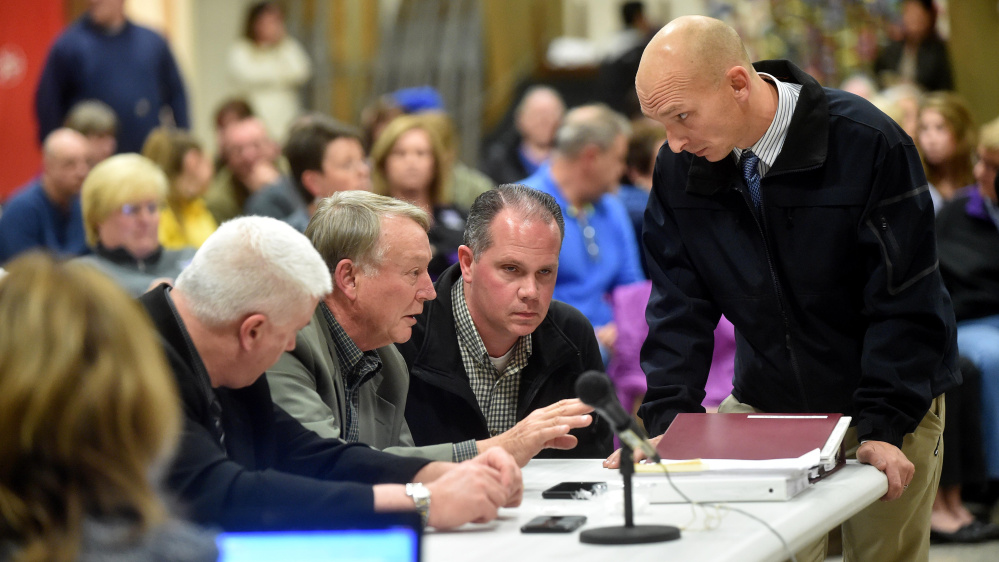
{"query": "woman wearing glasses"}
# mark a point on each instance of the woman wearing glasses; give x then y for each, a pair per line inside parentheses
(121, 199)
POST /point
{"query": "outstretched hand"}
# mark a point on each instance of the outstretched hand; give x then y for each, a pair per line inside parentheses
(544, 428)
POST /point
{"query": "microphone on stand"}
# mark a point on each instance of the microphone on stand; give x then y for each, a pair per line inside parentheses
(596, 390)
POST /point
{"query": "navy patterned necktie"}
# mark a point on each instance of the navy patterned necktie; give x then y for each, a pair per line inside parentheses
(750, 164)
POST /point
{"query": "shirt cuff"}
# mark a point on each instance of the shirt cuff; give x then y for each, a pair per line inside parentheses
(464, 450)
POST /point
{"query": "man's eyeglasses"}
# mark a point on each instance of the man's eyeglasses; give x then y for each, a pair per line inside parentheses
(133, 209)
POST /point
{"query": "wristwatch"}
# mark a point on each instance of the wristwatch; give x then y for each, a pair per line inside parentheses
(421, 499)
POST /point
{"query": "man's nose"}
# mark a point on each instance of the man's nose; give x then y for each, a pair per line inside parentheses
(427, 291)
(675, 141)
(529, 289)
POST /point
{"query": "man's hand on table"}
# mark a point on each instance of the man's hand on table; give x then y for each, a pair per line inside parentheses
(892, 461)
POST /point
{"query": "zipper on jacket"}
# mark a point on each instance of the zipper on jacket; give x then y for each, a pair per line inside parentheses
(761, 227)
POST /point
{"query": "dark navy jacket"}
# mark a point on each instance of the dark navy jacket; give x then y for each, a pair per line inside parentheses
(442, 407)
(835, 294)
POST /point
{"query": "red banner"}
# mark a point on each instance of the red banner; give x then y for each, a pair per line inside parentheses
(27, 30)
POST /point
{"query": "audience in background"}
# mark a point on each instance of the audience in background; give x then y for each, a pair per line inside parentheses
(409, 163)
(968, 245)
(643, 146)
(122, 197)
(325, 157)
(599, 251)
(375, 116)
(901, 103)
(466, 183)
(517, 155)
(95, 120)
(105, 56)
(90, 418)
(946, 141)
(244, 463)
(919, 56)
(251, 182)
(229, 111)
(493, 358)
(268, 67)
(46, 212)
(185, 220)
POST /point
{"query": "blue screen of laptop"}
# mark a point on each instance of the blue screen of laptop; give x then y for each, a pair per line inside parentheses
(381, 545)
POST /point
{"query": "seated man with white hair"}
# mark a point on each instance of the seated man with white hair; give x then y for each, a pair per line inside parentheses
(244, 463)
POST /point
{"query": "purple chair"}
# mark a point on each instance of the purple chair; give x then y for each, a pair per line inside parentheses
(629, 302)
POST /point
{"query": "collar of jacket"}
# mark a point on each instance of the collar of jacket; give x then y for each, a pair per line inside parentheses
(807, 136)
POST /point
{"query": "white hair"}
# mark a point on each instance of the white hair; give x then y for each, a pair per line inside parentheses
(253, 265)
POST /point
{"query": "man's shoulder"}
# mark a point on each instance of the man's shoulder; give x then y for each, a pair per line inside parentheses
(28, 196)
(309, 342)
(567, 319)
(856, 117)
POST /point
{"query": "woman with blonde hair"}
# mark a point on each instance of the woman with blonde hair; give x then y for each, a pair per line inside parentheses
(121, 199)
(409, 163)
(186, 220)
(946, 141)
(89, 412)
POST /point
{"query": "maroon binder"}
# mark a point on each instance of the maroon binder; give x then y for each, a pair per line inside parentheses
(745, 436)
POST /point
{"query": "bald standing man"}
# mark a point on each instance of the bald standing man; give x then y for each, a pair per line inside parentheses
(802, 214)
(45, 213)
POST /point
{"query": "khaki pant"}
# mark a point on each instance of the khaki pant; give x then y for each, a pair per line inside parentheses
(886, 531)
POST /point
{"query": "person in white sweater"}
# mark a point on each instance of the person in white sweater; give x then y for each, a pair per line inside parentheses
(267, 67)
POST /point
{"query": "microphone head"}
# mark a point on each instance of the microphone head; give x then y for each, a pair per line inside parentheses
(593, 388)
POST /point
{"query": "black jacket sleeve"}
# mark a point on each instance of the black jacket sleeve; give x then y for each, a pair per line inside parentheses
(904, 300)
(676, 356)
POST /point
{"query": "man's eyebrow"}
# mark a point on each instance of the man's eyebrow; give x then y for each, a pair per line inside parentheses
(669, 110)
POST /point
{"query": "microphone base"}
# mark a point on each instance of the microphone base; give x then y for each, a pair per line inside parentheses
(638, 534)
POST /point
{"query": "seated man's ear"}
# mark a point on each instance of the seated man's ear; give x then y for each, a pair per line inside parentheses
(251, 331)
(345, 278)
(465, 259)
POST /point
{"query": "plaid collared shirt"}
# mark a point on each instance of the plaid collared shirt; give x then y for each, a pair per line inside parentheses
(358, 368)
(495, 392)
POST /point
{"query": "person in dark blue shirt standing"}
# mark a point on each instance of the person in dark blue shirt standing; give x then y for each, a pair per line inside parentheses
(104, 56)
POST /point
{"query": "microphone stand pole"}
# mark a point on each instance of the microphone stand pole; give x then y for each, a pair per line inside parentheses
(629, 533)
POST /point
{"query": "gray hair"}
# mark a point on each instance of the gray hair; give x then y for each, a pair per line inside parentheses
(92, 117)
(589, 124)
(347, 224)
(252, 265)
(530, 203)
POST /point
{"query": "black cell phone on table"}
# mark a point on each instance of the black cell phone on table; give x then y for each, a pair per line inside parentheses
(554, 524)
(574, 490)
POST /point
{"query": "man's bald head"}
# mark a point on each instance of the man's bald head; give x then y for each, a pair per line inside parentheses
(694, 48)
(696, 79)
(64, 164)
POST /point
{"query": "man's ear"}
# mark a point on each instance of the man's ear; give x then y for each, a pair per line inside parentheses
(251, 331)
(738, 79)
(465, 259)
(345, 278)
